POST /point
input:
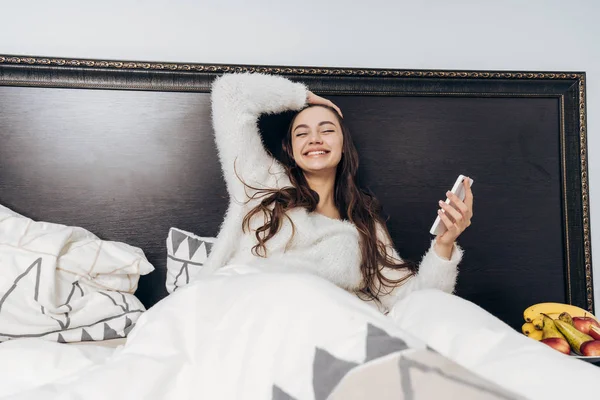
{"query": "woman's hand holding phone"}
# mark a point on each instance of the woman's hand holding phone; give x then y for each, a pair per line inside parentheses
(456, 217)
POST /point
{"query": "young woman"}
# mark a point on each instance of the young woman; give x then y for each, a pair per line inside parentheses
(307, 212)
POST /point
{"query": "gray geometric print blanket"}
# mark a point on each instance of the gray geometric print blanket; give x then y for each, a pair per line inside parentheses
(244, 333)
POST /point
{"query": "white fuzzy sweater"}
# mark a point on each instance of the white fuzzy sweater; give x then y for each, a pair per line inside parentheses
(321, 245)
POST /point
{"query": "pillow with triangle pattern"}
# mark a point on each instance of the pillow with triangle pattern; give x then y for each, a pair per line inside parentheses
(186, 254)
(63, 283)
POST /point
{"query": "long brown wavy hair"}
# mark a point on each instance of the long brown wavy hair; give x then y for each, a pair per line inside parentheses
(353, 203)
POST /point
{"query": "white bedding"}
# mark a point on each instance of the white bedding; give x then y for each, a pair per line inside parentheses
(64, 284)
(241, 334)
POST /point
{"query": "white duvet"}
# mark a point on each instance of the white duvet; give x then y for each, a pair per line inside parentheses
(243, 334)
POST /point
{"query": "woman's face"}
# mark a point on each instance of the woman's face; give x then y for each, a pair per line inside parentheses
(317, 140)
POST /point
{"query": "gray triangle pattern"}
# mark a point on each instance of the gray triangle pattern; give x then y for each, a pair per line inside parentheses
(209, 246)
(37, 263)
(405, 365)
(380, 344)
(61, 339)
(85, 337)
(193, 245)
(279, 394)
(176, 239)
(110, 333)
(328, 371)
(128, 326)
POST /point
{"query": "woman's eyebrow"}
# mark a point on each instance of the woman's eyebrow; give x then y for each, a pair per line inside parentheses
(320, 124)
(301, 126)
(325, 122)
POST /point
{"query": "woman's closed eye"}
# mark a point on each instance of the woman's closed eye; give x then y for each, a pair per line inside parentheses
(301, 134)
(328, 131)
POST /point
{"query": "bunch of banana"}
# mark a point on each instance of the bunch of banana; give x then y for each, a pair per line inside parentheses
(534, 316)
(534, 311)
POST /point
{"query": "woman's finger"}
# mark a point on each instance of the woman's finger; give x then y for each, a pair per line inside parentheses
(315, 100)
(458, 217)
(460, 205)
(468, 194)
(451, 226)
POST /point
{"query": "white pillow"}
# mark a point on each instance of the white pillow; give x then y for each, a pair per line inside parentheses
(186, 255)
(62, 283)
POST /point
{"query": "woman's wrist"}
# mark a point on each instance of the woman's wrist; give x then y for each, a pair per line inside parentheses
(443, 250)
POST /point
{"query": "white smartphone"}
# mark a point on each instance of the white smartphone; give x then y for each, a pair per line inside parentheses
(438, 227)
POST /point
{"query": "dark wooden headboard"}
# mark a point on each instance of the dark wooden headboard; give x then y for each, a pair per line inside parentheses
(125, 150)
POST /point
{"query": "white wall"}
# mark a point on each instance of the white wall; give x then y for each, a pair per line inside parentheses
(551, 35)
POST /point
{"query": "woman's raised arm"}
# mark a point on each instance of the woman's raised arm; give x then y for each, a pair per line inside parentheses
(237, 102)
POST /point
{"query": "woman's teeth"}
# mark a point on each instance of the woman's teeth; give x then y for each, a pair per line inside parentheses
(315, 153)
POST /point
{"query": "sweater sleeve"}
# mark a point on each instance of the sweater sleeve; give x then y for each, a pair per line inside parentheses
(434, 272)
(237, 102)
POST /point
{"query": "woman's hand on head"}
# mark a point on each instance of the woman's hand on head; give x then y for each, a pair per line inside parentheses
(312, 98)
(457, 216)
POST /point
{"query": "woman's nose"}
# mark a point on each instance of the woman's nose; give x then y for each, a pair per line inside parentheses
(315, 138)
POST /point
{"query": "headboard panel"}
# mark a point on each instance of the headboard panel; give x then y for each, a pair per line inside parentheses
(125, 165)
(126, 151)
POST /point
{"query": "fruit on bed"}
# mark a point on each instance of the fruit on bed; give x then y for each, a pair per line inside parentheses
(573, 336)
(535, 310)
(550, 329)
(583, 324)
(558, 344)
(595, 332)
(591, 348)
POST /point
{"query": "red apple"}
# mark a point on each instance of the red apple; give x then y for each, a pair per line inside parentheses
(583, 324)
(594, 332)
(558, 344)
(591, 348)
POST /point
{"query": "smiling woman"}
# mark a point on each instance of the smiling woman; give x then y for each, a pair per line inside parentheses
(308, 211)
(316, 145)
(317, 141)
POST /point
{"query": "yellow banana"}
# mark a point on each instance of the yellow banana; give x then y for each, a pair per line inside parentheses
(529, 331)
(527, 328)
(535, 310)
(536, 335)
(538, 322)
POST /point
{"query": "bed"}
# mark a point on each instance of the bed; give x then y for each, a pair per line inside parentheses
(124, 149)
